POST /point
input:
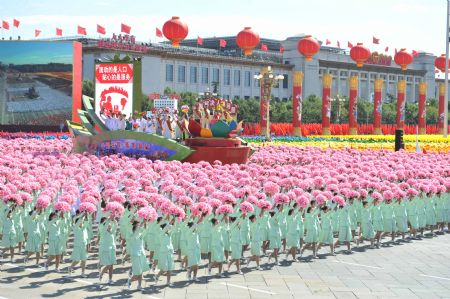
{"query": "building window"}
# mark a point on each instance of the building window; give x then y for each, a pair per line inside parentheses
(344, 73)
(363, 76)
(216, 74)
(236, 97)
(181, 74)
(237, 78)
(246, 97)
(226, 77)
(226, 96)
(257, 98)
(247, 78)
(169, 72)
(286, 81)
(205, 75)
(257, 83)
(392, 78)
(193, 75)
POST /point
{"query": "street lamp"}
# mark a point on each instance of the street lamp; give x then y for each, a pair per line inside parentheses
(447, 41)
(267, 80)
(338, 100)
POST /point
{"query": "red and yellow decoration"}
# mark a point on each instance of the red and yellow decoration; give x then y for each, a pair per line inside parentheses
(352, 108)
(439, 63)
(403, 59)
(327, 79)
(175, 31)
(441, 108)
(422, 122)
(401, 89)
(297, 103)
(247, 40)
(359, 54)
(308, 47)
(377, 105)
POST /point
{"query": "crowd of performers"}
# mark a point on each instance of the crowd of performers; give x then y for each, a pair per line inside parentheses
(241, 233)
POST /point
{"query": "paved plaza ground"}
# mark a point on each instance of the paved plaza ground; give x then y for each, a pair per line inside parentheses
(420, 269)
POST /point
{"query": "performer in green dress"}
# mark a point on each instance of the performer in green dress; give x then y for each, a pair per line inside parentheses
(401, 217)
(430, 212)
(139, 262)
(55, 247)
(165, 252)
(326, 229)
(411, 212)
(236, 243)
(194, 255)
(256, 240)
(312, 229)
(34, 237)
(217, 249)
(367, 230)
(107, 250)
(389, 226)
(377, 219)
(274, 236)
(293, 232)
(345, 226)
(9, 236)
(80, 242)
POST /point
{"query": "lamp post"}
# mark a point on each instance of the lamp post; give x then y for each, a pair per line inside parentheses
(447, 41)
(267, 80)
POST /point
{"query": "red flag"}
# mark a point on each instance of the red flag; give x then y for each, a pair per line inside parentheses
(264, 47)
(328, 42)
(81, 30)
(349, 44)
(37, 32)
(415, 53)
(101, 29)
(222, 43)
(375, 40)
(16, 23)
(386, 49)
(338, 44)
(281, 50)
(158, 32)
(199, 41)
(125, 28)
(58, 32)
(5, 25)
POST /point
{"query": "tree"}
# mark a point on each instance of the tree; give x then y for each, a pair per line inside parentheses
(88, 88)
(312, 109)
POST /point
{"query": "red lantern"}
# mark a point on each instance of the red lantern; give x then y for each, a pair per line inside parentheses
(308, 47)
(439, 63)
(359, 54)
(247, 40)
(403, 59)
(175, 31)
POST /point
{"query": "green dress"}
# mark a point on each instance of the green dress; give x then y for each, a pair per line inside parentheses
(446, 207)
(217, 249)
(367, 230)
(282, 220)
(401, 217)
(9, 236)
(256, 237)
(430, 211)
(226, 236)
(54, 237)
(245, 230)
(274, 233)
(34, 238)
(421, 215)
(235, 240)
(165, 252)
(150, 238)
(264, 224)
(440, 207)
(377, 218)
(293, 230)
(183, 238)
(107, 248)
(139, 262)
(80, 241)
(204, 231)
(326, 228)
(345, 229)
(18, 223)
(193, 247)
(411, 212)
(312, 228)
(389, 225)
(353, 214)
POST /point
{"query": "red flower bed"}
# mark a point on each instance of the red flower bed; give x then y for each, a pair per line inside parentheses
(285, 129)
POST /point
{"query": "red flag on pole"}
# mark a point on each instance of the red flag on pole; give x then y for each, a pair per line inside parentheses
(264, 47)
(349, 44)
(199, 41)
(16, 23)
(125, 28)
(386, 49)
(328, 42)
(415, 53)
(81, 30)
(375, 40)
(281, 50)
(158, 32)
(58, 32)
(5, 25)
(338, 44)
(101, 29)
(37, 32)
(222, 43)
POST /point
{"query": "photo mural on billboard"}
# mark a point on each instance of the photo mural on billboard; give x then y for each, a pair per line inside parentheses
(36, 82)
(113, 89)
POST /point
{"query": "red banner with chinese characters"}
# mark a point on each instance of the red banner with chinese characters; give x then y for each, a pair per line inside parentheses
(422, 119)
(352, 109)
(377, 106)
(401, 89)
(326, 103)
(297, 103)
(441, 108)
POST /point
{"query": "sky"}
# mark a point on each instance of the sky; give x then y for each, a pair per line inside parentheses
(412, 24)
(35, 52)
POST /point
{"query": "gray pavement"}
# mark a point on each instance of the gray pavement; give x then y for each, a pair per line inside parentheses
(419, 269)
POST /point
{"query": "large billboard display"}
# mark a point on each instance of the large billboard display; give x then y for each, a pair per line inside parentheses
(36, 83)
(114, 88)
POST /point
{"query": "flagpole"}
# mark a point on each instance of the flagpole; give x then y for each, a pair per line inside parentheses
(447, 37)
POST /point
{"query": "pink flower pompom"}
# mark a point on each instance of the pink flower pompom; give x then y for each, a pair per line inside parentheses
(303, 201)
(70, 199)
(14, 198)
(87, 207)
(412, 192)
(271, 188)
(338, 200)
(252, 199)
(147, 213)
(114, 208)
(26, 197)
(177, 212)
(43, 202)
(246, 207)
(264, 205)
(228, 198)
(388, 194)
(320, 199)
(213, 202)
(62, 206)
(201, 208)
(118, 197)
(281, 198)
(185, 200)
(224, 210)
(377, 195)
(139, 202)
(363, 193)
